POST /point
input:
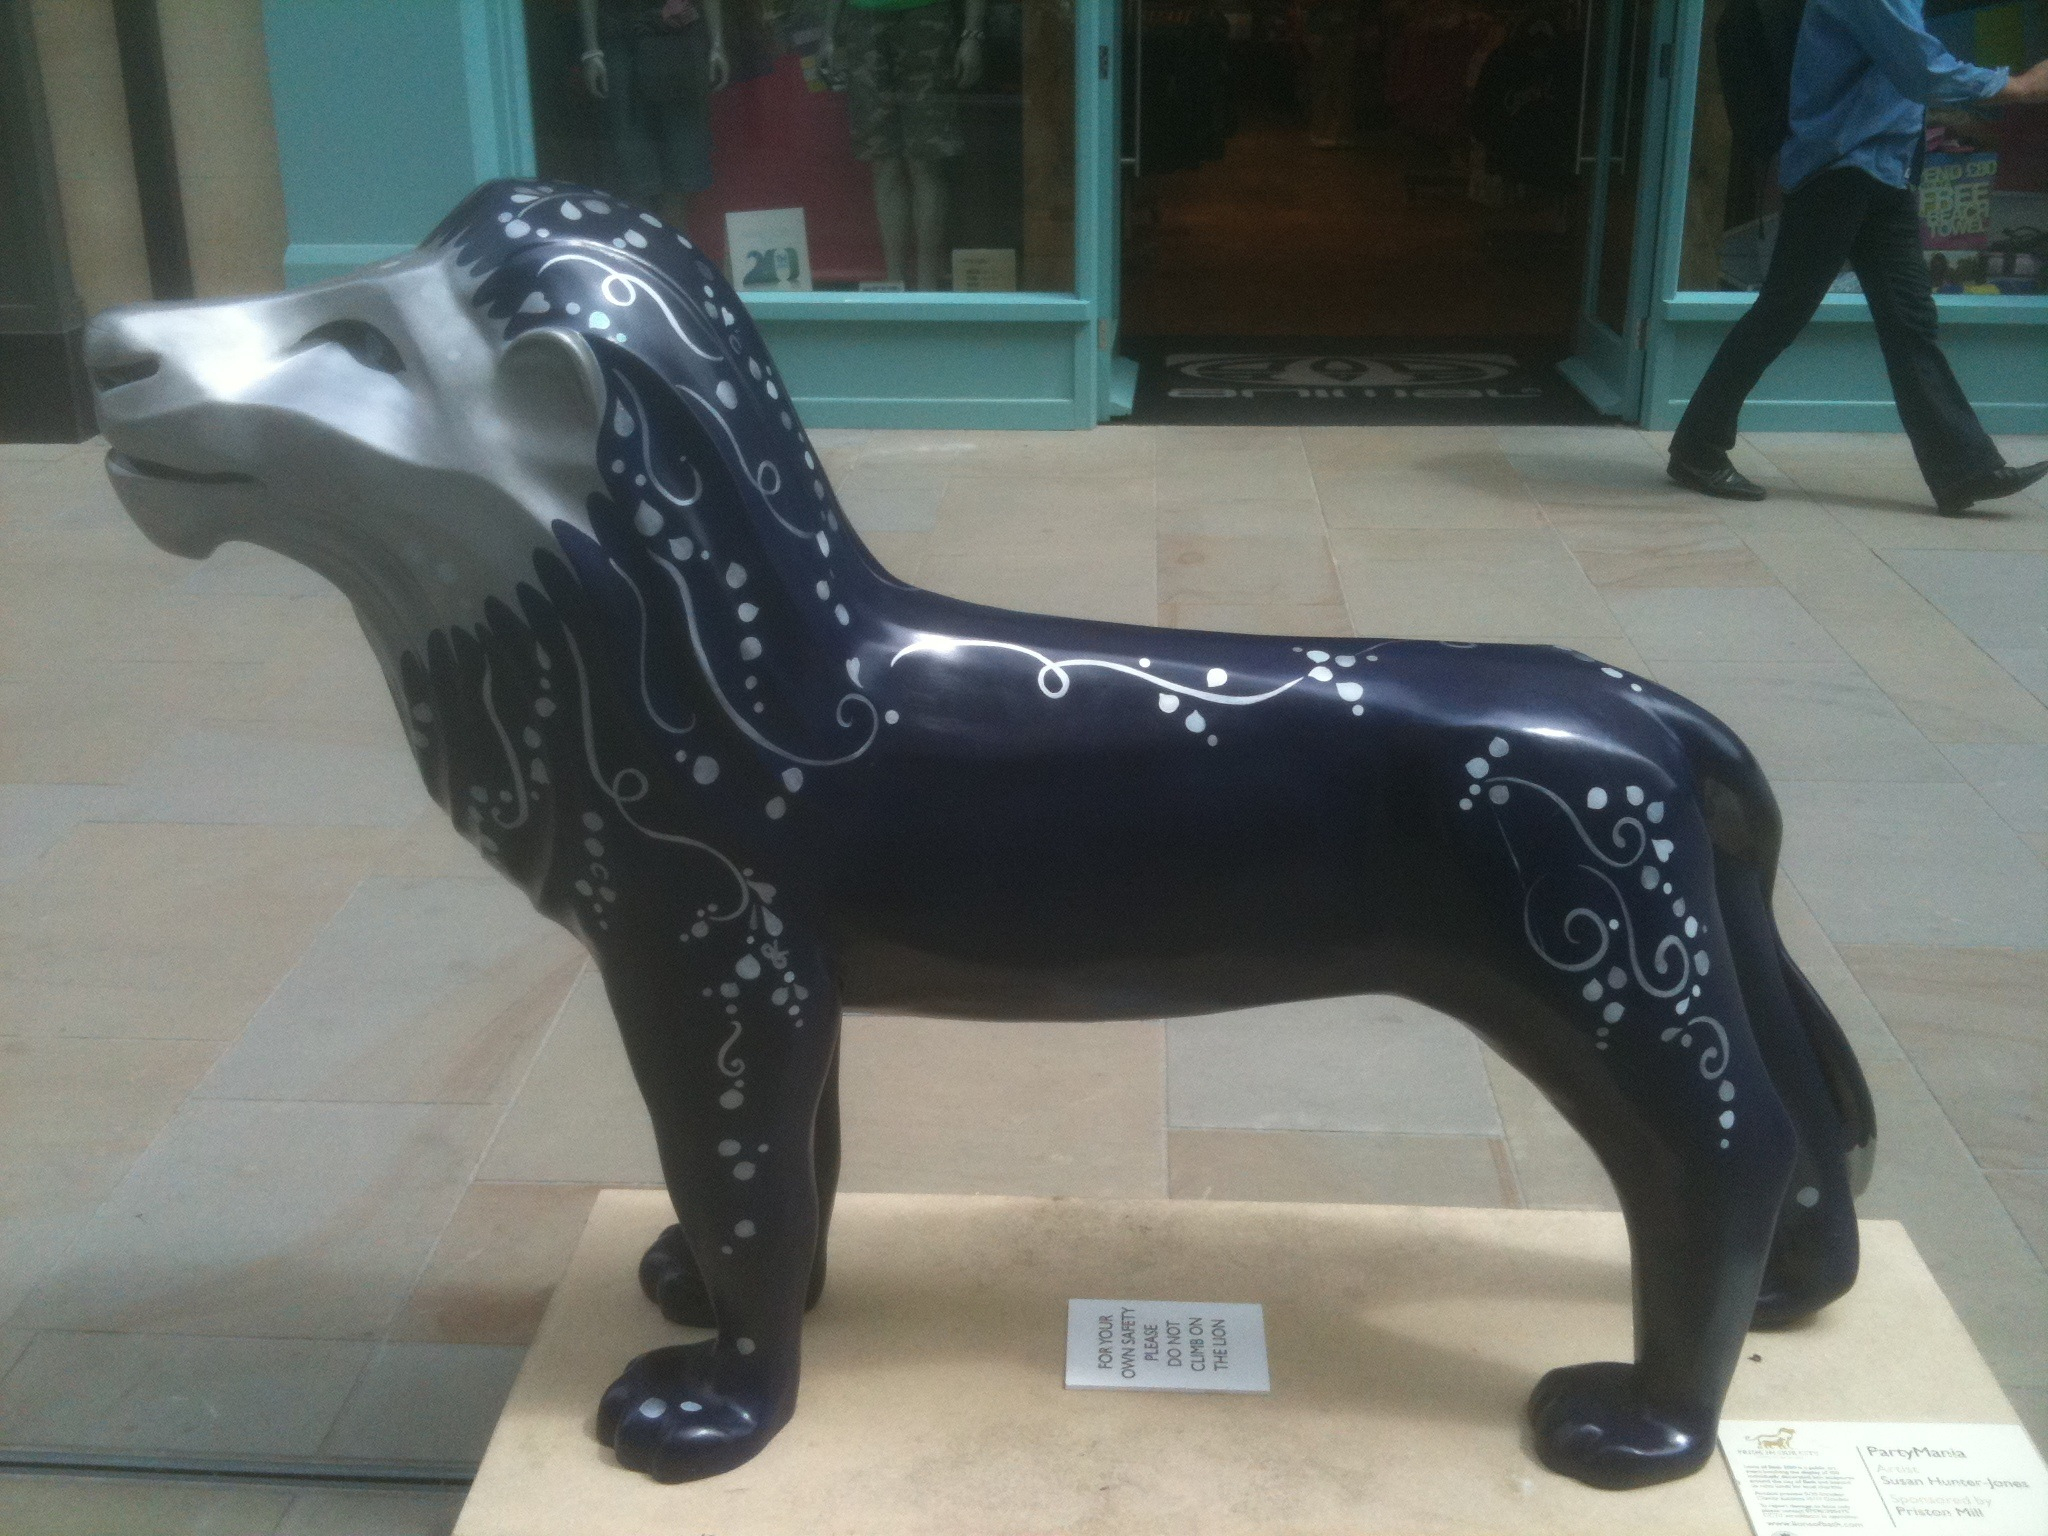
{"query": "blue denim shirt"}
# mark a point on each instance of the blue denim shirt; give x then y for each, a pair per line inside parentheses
(1862, 76)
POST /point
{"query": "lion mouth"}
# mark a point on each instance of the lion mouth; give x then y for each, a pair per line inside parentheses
(186, 512)
(152, 469)
(109, 376)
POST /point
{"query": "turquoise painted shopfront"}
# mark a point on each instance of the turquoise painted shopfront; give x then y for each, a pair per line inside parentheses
(1833, 379)
(388, 111)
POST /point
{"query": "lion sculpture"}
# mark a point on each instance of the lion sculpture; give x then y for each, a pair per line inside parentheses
(651, 672)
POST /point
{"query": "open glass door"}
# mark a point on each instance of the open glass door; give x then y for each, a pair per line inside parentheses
(1625, 102)
(1109, 33)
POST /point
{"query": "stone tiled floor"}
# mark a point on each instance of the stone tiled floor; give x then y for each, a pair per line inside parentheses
(301, 1108)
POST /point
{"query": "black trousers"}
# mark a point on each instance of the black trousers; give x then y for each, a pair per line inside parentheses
(1847, 214)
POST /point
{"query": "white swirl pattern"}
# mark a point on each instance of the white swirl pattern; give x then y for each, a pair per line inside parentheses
(1588, 929)
(613, 786)
(622, 289)
(646, 639)
(1058, 670)
(746, 727)
(511, 759)
(1622, 826)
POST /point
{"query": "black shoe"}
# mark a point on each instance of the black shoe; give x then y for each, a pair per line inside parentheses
(2006, 480)
(1720, 479)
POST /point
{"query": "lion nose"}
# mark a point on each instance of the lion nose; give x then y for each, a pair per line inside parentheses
(116, 355)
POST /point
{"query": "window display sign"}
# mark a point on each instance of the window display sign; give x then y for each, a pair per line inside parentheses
(1955, 197)
(910, 139)
(769, 250)
(984, 271)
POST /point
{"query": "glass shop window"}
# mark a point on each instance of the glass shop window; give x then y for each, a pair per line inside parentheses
(847, 145)
(1983, 184)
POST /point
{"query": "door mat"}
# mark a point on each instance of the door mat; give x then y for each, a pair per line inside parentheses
(1289, 381)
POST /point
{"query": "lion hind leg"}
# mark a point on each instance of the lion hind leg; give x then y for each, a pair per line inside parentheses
(1613, 984)
(1700, 1199)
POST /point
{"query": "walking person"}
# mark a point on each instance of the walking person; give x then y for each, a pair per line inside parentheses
(1862, 74)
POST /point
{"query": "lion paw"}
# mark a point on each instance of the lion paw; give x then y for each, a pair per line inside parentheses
(670, 1279)
(687, 1412)
(1591, 1424)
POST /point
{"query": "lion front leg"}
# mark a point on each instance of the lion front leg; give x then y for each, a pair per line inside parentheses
(732, 1043)
(669, 1276)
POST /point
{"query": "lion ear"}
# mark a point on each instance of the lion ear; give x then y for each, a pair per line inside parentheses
(548, 381)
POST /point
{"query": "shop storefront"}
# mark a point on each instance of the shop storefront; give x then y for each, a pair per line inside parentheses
(938, 260)
(947, 251)
(1984, 232)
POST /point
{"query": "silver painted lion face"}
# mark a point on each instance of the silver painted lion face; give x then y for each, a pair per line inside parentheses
(378, 428)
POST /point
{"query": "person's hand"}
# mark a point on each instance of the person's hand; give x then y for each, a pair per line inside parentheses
(828, 54)
(721, 67)
(2026, 90)
(594, 77)
(967, 63)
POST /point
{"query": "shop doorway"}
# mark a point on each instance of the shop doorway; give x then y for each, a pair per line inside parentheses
(1372, 209)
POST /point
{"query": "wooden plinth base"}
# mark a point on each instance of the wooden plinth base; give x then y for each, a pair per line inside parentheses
(1403, 1343)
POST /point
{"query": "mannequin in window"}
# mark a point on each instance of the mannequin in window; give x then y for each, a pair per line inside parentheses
(654, 64)
(1330, 38)
(904, 60)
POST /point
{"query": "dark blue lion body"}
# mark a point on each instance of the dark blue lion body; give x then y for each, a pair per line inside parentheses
(763, 779)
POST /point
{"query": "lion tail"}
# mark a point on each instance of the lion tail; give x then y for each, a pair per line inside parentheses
(1743, 818)
(1839, 1069)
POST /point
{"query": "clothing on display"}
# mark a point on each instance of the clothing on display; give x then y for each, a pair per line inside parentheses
(852, 112)
(900, 60)
(1330, 38)
(1525, 102)
(645, 18)
(657, 114)
(655, 92)
(1429, 68)
(1186, 115)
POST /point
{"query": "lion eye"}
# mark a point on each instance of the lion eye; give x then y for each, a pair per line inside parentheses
(361, 340)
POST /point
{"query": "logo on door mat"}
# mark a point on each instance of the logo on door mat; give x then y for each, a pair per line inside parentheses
(1348, 375)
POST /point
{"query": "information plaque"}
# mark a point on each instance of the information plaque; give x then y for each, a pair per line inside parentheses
(1167, 1346)
(1844, 1479)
